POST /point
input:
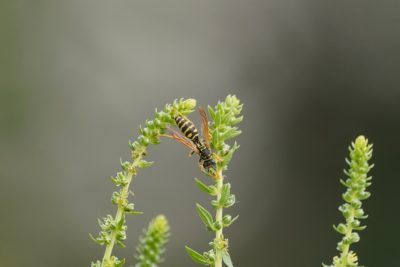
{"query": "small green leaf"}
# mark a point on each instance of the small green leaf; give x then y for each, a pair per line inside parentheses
(226, 199)
(120, 263)
(197, 257)
(205, 188)
(144, 164)
(235, 218)
(219, 112)
(215, 139)
(234, 120)
(94, 239)
(228, 157)
(341, 228)
(119, 179)
(226, 192)
(230, 133)
(211, 112)
(227, 220)
(227, 258)
(230, 202)
(125, 165)
(134, 212)
(205, 216)
(360, 228)
(354, 237)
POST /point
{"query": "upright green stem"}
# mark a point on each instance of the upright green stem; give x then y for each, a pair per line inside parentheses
(224, 117)
(356, 185)
(218, 218)
(346, 247)
(119, 215)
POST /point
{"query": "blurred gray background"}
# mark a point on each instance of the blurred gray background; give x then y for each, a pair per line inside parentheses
(77, 78)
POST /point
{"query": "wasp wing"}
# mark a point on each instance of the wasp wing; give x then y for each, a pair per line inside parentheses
(204, 127)
(183, 140)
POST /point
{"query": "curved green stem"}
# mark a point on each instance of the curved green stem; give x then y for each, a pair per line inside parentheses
(113, 230)
(118, 217)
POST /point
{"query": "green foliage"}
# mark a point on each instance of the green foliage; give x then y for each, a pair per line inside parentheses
(356, 183)
(209, 189)
(204, 259)
(113, 229)
(226, 200)
(224, 117)
(108, 226)
(152, 244)
(206, 217)
(222, 128)
(227, 258)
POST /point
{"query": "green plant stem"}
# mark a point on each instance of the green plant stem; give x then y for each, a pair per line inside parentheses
(346, 247)
(120, 213)
(224, 117)
(121, 209)
(218, 218)
(357, 182)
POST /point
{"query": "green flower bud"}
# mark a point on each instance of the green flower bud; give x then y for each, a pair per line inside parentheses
(226, 220)
(222, 128)
(217, 225)
(341, 228)
(189, 104)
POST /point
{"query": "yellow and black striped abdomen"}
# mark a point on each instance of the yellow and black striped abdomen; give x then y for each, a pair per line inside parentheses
(187, 128)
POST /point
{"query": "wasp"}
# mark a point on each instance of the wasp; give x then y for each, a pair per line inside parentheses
(192, 140)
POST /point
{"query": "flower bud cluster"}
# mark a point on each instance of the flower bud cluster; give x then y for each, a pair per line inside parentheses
(356, 183)
(150, 134)
(224, 117)
(152, 244)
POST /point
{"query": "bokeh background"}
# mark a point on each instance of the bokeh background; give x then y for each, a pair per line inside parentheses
(77, 78)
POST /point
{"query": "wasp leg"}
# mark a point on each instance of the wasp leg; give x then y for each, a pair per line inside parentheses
(213, 173)
(203, 170)
(165, 135)
(201, 165)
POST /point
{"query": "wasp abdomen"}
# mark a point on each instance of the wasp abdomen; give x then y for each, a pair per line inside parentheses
(187, 128)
